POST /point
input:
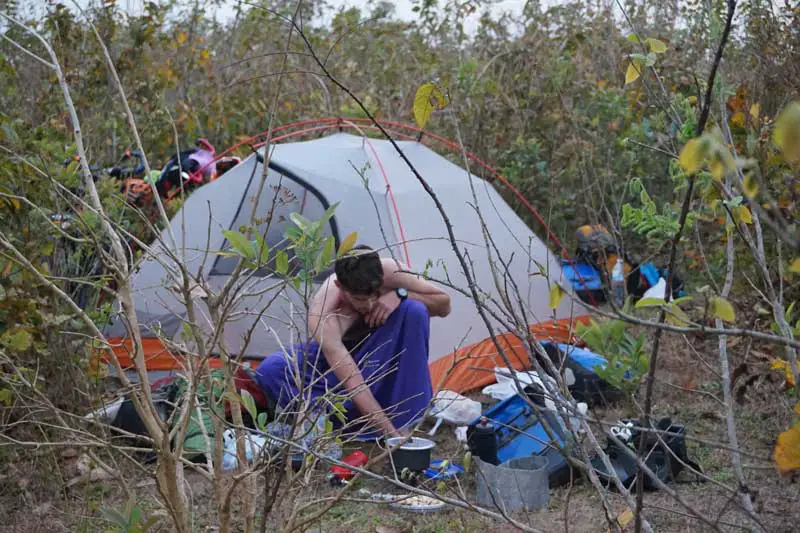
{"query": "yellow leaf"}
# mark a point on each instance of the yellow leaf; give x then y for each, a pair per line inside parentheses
(722, 308)
(787, 450)
(428, 97)
(692, 99)
(797, 408)
(657, 46)
(737, 119)
(633, 72)
(755, 111)
(780, 364)
(181, 38)
(691, 157)
(348, 243)
(556, 294)
(794, 267)
(787, 132)
(721, 162)
(743, 214)
(750, 188)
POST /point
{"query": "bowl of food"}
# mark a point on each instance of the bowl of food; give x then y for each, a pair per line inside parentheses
(418, 503)
(413, 453)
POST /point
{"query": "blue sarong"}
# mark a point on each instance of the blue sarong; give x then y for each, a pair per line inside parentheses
(393, 360)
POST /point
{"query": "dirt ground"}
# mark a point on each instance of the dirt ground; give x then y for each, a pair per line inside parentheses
(34, 495)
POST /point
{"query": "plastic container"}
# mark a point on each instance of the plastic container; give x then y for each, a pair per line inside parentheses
(515, 485)
(618, 282)
(482, 440)
(415, 454)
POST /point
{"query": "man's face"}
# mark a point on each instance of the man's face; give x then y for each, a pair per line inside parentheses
(362, 303)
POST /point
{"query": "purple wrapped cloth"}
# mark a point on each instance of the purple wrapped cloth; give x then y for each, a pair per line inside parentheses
(393, 360)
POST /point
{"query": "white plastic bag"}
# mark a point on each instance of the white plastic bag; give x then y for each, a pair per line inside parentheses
(505, 386)
(452, 407)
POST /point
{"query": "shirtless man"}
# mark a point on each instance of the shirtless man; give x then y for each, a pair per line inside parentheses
(368, 314)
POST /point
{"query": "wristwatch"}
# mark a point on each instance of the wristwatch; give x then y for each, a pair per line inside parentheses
(401, 293)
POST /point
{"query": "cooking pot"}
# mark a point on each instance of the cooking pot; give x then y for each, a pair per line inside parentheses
(414, 454)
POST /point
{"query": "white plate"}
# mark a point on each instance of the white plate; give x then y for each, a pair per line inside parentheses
(418, 503)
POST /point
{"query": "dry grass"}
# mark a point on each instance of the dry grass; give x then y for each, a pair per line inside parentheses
(34, 497)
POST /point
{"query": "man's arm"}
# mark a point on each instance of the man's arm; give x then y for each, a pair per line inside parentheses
(328, 329)
(436, 300)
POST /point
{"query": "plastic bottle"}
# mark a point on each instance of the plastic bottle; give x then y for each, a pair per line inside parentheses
(618, 282)
(482, 442)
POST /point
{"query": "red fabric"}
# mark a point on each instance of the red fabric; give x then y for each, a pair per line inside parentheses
(243, 381)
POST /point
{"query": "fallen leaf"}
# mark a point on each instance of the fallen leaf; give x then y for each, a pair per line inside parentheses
(780, 364)
(787, 450)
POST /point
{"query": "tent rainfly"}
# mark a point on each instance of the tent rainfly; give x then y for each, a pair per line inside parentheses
(380, 198)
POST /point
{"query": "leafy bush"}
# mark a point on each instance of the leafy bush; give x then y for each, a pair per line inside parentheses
(626, 355)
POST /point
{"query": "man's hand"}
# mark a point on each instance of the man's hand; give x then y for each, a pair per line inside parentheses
(384, 307)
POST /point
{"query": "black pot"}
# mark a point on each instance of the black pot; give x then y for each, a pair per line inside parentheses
(414, 454)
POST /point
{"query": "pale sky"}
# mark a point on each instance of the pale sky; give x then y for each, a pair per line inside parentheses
(402, 7)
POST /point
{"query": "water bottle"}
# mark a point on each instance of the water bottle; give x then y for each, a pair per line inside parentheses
(482, 442)
(618, 282)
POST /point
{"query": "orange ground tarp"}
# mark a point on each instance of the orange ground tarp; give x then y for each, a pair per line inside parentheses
(466, 369)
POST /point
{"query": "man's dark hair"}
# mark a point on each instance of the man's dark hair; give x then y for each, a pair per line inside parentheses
(360, 270)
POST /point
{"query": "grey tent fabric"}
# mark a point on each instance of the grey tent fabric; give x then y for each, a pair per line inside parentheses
(368, 178)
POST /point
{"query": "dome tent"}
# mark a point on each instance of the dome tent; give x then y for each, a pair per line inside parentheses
(378, 197)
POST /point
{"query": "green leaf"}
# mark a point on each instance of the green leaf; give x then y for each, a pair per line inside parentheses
(650, 302)
(249, 404)
(240, 243)
(736, 201)
(282, 262)
(556, 294)
(18, 341)
(326, 256)
(300, 221)
(327, 215)
(659, 47)
(262, 250)
(6, 396)
(466, 462)
(427, 98)
(261, 421)
(348, 243)
(722, 308)
(633, 38)
(676, 316)
(794, 266)
(650, 59)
